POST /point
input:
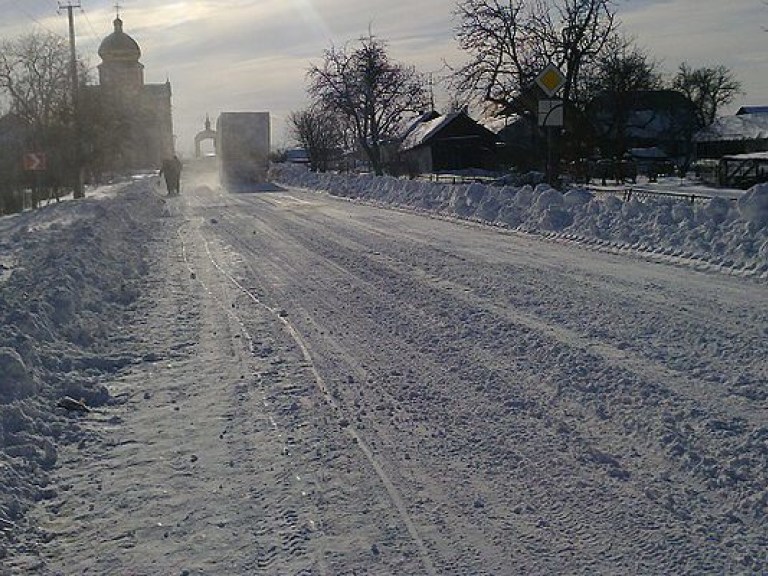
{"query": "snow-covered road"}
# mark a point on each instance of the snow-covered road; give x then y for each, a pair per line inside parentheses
(340, 388)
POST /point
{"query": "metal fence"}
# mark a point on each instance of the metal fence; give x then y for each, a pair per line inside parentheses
(628, 193)
(625, 192)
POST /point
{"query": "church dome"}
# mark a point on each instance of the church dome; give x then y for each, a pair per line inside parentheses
(118, 46)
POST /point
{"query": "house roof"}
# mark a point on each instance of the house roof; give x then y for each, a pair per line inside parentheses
(749, 156)
(455, 126)
(418, 121)
(422, 131)
(733, 128)
(752, 110)
(650, 153)
(297, 155)
(640, 100)
(497, 124)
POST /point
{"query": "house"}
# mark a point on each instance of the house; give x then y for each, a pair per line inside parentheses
(662, 119)
(744, 133)
(297, 156)
(450, 142)
(652, 161)
(522, 144)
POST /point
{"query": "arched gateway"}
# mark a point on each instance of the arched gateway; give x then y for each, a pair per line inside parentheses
(206, 134)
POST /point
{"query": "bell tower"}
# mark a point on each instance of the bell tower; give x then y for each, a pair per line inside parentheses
(120, 69)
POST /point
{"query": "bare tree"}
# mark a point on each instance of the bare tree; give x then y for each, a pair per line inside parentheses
(370, 91)
(319, 132)
(617, 78)
(34, 75)
(511, 41)
(709, 88)
(35, 81)
(623, 67)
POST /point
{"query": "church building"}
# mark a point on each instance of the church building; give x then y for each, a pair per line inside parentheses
(127, 123)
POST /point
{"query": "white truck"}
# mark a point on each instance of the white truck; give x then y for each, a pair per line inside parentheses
(242, 149)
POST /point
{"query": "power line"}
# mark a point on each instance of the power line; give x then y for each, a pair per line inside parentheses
(94, 33)
(17, 5)
(88, 21)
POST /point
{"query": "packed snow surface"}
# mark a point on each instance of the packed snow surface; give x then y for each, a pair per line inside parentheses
(383, 376)
(720, 231)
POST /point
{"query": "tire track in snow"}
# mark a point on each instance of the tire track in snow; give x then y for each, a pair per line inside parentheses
(625, 359)
(675, 381)
(392, 491)
(289, 530)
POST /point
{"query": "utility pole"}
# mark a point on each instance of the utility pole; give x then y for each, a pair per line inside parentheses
(77, 145)
(431, 94)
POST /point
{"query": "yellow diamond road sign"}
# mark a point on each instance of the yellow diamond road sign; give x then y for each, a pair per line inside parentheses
(551, 79)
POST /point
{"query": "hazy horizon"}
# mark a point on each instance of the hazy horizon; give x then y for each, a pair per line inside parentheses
(244, 55)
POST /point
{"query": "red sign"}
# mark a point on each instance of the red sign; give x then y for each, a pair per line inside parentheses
(35, 161)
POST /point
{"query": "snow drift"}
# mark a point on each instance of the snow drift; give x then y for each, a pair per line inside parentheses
(64, 292)
(717, 231)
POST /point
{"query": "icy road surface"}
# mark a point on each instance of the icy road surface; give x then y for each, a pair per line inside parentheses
(347, 389)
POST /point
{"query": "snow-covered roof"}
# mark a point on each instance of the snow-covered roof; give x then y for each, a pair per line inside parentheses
(752, 110)
(729, 128)
(423, 131)
(497, 123)
(749, 156)
(296, 155)
(418, 121)
(652, 153)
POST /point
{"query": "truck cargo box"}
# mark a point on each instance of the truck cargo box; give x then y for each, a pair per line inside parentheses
(242, 148)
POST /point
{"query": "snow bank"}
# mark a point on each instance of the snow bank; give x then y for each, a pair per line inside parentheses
(753, 206)
(77, 272)
(732, 235)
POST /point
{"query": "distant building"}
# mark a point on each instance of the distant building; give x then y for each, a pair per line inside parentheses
(744, 133)
(127, 124)
(523, 146)
(451, 142)
(663, 119)
(743, 170)
(297, 156)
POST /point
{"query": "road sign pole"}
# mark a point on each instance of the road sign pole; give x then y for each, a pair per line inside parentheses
(550, 80)
(551, 118)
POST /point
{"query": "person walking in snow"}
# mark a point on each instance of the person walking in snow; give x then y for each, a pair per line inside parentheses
(171, 169)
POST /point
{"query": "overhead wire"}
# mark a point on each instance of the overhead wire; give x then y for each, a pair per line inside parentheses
(94, 35)
(26, 13)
